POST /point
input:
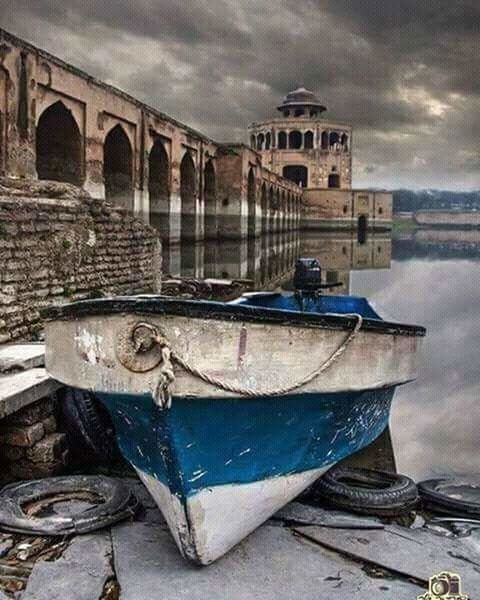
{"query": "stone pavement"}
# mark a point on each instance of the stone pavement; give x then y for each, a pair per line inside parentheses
(280, 561)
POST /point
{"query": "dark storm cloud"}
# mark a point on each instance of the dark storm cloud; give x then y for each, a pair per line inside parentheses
(404, 73)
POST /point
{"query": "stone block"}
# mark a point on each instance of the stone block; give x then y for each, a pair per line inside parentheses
(11, 453)
(39, 411)
(48, 449)
(50, 425)
(21, 436)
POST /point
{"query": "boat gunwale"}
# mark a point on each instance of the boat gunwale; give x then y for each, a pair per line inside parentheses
(208, 309)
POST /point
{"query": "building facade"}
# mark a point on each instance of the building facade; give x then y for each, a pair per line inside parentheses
(316, 153)
(59, 123)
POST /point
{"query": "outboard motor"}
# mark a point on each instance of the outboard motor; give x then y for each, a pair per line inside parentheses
(307, 281)
(308, 275)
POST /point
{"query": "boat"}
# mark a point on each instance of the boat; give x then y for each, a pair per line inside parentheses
(228, 411)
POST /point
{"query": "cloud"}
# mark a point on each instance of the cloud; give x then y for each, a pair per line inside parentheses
(405, 74)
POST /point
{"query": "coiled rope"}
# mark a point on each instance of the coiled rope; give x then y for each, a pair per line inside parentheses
(162, 394)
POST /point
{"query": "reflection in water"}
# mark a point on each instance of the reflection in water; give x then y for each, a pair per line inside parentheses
(269, 261)
(426, 277)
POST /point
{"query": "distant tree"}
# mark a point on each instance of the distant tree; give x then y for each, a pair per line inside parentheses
(413, 200)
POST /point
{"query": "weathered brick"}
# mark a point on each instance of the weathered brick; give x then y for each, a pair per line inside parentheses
(29, 415)
(21, 436)
(49, 449)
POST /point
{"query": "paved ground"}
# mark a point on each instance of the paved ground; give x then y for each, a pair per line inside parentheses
(282, 560)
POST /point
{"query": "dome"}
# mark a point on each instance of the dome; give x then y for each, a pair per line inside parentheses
(301, 97)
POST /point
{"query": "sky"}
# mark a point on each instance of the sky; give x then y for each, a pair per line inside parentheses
(404, 73)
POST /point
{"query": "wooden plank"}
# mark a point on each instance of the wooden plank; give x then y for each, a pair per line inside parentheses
(23, 388)
(21, 356)
(416, 553)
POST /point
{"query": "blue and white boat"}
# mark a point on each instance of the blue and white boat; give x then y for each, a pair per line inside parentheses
(228, 411)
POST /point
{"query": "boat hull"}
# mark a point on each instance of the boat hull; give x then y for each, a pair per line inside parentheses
(263, 400)
(217, 470)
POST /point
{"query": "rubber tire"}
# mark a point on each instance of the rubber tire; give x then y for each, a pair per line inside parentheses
(437, 502)
(388, 494)
(119, 503)
(90, 430)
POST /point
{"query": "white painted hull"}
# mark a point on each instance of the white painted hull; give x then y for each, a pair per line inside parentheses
(215, 519)
(263, 356)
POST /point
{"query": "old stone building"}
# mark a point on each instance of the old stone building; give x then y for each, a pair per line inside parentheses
(59, 123)
(316, 153)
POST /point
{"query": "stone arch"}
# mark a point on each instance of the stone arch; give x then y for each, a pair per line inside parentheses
(295, 140)
(264, 206)
(282, 140)
(308, 140)
(283, 207)
(271, 207)
(118, 168)
(268, 140)
(210, 196)
(260, 141)
(344, 141)
(251, 202)
(296, 173)
(334, 180)
(324, 140)
(188, 198)
(59, 145)
(253, 142)
(159, 187)
(334, 138)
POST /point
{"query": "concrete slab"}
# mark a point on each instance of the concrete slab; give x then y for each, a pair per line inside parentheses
(295, 512)
(23, 388)
(21, 356)
(416, 553)
(271, 564)
(80, 574)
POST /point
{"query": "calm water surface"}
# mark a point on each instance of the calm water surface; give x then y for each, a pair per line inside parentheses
(431, 278)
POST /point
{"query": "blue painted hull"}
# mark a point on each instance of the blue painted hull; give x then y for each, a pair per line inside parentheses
(200, 443)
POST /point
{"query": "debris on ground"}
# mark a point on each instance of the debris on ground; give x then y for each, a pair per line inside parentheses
(206, 289)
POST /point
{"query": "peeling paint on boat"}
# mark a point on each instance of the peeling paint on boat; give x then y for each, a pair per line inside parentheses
(217, 464)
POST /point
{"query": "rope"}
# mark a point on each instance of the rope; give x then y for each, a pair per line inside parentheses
(162, 394)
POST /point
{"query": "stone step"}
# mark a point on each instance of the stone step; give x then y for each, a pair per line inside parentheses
(21, 356)
(23, 388)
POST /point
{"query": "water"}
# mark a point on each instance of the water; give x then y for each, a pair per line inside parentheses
(430, 278)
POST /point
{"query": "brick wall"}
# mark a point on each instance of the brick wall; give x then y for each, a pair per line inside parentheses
(66, 247)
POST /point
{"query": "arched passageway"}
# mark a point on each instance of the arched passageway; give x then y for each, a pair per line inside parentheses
(251, 200)
(159, 188)
(295, 140)
(271, 209)
(334, 180)
(210, 196)
(118, 168)
(188, 198)
(264, 206)
(296, 173)
(334, 139)
(308, 140)
(268, 140)
(325, 140)
(59, 146)
(282, 140)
